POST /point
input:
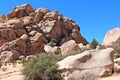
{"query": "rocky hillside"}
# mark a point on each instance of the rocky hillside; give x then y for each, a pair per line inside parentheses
(26, 30)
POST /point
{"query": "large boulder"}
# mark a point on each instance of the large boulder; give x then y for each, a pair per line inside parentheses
(69, 47)
(112, 37)
(87, 64)
(21, 11)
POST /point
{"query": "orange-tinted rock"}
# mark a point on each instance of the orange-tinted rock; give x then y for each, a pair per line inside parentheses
(21, 11)
(36, 48)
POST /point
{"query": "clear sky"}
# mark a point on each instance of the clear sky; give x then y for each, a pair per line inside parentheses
(95, 17)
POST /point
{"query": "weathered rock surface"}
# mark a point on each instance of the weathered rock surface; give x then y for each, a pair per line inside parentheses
(9, 56)
(69, 47)
(87, 64)
(112, 37)
(27, 30)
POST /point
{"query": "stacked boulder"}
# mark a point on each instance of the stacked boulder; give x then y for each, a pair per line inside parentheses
(25, 31)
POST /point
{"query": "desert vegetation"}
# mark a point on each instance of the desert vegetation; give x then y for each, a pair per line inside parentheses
(43, 67)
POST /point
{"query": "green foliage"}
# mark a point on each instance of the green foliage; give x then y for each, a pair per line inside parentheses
(93, 44)
(42, 67)
(116, 55)
(53, 42)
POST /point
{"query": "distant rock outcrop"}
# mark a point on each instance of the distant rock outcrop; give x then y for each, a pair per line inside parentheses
(26, 30)
(84, 66)
(112, 37)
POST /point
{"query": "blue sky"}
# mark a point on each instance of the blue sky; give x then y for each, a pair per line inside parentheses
(95, 17)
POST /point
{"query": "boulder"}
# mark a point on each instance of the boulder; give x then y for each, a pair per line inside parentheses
(3, 19)
(36, 36)
(87, 64)
(9, 56)
(21, 11)
(39, 14)
(69, 47)
(36, 48)
(15, 24)
(21, 46)
(47, 48)
(112, 37)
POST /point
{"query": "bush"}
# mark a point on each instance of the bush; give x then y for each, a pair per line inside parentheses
(93, 44)
(53, 42)
(116, 55)
(43, 67)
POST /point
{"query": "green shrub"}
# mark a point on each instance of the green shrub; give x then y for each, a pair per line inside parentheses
(52, 42)
(43, 67)
(93, 44)
(117, 55)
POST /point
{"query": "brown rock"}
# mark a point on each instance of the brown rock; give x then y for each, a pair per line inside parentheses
(11, 34)
(20, 45)
(28, 8)
(3, 18)
(21, 11)
(87, 64)
(40, 13)
(36, 48)
(20, 32)
(69, 47)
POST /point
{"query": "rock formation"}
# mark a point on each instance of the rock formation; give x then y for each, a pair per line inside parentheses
(112, 37)
(26, 30)
(87, 65)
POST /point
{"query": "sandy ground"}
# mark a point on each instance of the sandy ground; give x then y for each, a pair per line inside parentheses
(9, 72)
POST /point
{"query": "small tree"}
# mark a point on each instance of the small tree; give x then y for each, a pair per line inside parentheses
(93, 44)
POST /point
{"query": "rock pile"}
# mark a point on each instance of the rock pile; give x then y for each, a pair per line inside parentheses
(25, 31)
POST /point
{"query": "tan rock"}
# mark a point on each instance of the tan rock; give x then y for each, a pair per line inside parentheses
(36, 36)
(28, 20)
(24, 37)
(15, 24)
(47, 48)
(69, 47)
(87, 64)
(9, 56)
(112, 37)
